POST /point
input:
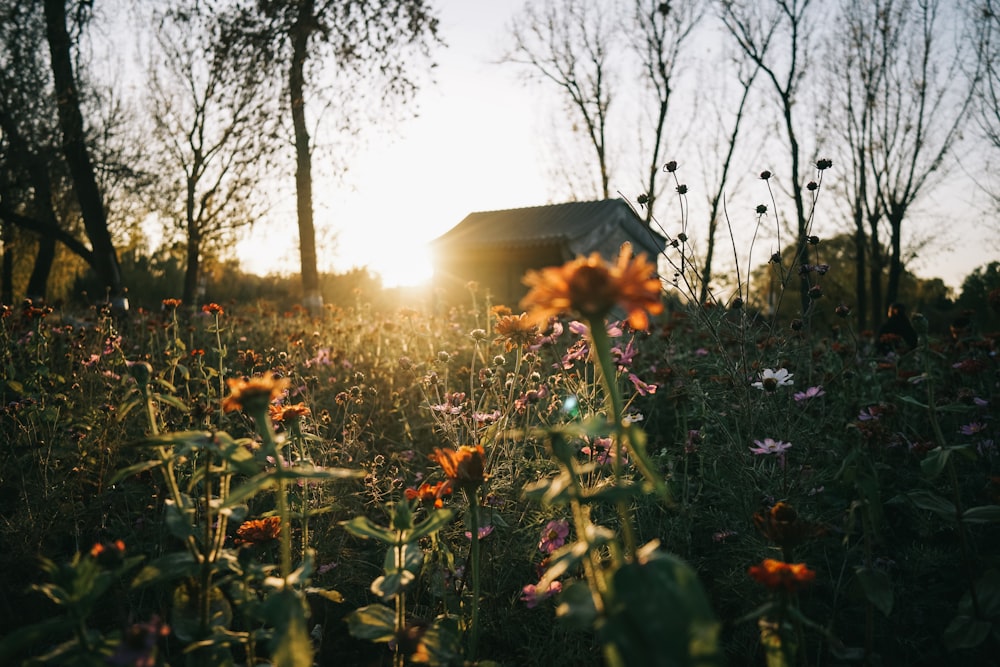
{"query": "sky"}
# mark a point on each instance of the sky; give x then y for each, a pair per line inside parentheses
(470, 149)
(478, 144)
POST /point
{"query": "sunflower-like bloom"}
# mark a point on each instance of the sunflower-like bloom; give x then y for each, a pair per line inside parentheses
(778, 575)
(516, 331)
(590, 287)
(464, 467)
(280, 413)
(255, 394)
(258, 531)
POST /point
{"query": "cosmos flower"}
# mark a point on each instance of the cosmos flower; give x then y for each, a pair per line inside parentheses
(770, 446)
(553, 536)
(772, 379)
(811, 392)
(531, 595)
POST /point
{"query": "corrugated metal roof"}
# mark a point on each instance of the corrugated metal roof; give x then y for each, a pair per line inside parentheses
(553, 224)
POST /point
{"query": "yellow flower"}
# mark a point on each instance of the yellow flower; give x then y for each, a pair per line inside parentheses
(590, 287)
(253, 394)
(517, 331)
(280, 413)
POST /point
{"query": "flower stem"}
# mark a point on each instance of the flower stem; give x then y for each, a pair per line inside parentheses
(470, 496)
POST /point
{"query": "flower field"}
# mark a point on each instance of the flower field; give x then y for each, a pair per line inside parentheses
(597, 476)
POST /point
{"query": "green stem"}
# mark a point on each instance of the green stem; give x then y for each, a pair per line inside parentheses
(475, 565)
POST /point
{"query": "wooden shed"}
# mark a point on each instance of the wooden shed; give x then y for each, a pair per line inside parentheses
(496, 248)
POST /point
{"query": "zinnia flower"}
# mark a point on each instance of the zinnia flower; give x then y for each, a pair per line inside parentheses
(280, 413)
(464, 467)
(258, 531)
(590, 287)
(429, 495)
(253, 394)
(771, 379)
(778, 575)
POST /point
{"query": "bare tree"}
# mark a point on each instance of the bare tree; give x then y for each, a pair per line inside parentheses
(569, 43)
(773, 35)
(986, 24)
(905, 102)
(660, 30)
(211, 133)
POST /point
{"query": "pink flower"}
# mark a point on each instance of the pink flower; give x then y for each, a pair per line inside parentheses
(553, 536)
(770, 446)
(811, 392)
(484, 531)
(532, 596)
(972, 428)
(643, 388)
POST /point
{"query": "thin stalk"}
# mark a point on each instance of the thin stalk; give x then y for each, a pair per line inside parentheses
(474, 561)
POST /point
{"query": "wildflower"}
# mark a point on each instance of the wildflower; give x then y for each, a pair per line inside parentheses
(723, 535)
(972, 428)
(452, 403)
(602, 451)
(170, 304)
(770, 446)
(842, 310)
(138, 644)
(212, 309)
(108, 554)
(770, 380)
(553, 536)
(624, 358)
(682, 189)
(590, 287)
(764, 175)
(531, 596)
(484, 531)
(429, 495)
(761, 209)
(258, 531)
(824, 163)
(781, 524)
(644, 388)
(694, 438)
(871, 413)
(811, 392)
(670, 167)
(517, 331)
(280, 413)
(464, 466)
(254, 394)
(776, 575)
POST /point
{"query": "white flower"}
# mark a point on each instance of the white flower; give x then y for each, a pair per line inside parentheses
(771, 380)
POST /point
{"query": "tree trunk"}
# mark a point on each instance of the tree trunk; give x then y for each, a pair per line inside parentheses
(895, 258)
(38, 282)
(311, 296)
(77, 156)
(860, 268)
(875, 266)
(7, 269)
(192, 270)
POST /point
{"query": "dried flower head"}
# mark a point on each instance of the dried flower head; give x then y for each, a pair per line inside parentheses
(253, 395)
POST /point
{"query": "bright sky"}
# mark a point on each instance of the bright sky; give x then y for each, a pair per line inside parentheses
(477, 145)
(471, 149)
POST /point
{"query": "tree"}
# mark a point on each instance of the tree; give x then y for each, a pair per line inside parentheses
(569, 43)
(382, 42)
(211, 132)
(77, 154)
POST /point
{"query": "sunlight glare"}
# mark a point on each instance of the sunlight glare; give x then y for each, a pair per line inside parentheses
(403, 266)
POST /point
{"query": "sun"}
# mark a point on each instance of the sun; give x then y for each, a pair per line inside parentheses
(402, 265)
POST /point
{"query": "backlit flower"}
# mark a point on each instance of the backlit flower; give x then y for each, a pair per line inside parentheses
(778, 575)
(531, 595)
(770, 380)
(280, 413)
(553, 536)
(517, 331)
(429, 495)
(590, 287)
(212, 309)
(253, 394)
(258, 531)
(464, 466)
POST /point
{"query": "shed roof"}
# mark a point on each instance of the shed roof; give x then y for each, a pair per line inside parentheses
(574, 225)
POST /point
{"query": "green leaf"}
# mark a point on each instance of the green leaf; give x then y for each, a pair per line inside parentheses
(934, 463)
(169, 567)
(927, 500)
(291, 645)
(362, 526)
(326, 594)
(877, 588)
(375, 622)
(575, 606)
(185, 619)
(912, 401)
(180, 520)
(966, 632)
(434, 522)
(172, 401)
(982, 514)
(250, 488)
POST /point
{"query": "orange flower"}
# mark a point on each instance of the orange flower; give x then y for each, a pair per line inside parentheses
(253, 394)
(517, 331)
(212, 309)
(258, 531)
(171, 303)
(280, 413)
(108, 554)
(464, 468)
(778, 575)
(592, 288)
(429, 494)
